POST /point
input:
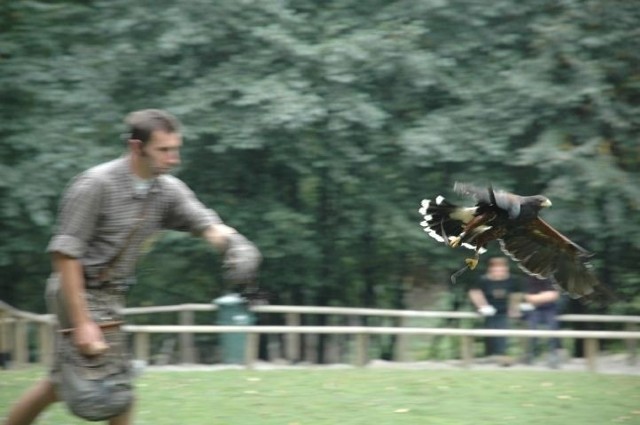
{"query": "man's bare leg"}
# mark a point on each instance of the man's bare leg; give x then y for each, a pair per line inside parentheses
(32, 403)
(125, 419)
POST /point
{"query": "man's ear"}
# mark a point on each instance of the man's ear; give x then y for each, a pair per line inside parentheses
(136, 145)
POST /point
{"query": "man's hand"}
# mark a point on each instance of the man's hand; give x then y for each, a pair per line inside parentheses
(526, 307)
(241, 259)
(487, 310)
(86, 334)
(89, 339)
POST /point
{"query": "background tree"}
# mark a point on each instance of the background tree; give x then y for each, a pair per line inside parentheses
(317, 127)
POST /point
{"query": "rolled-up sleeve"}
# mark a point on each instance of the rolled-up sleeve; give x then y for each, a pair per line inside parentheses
(78, 216)
(186, 212)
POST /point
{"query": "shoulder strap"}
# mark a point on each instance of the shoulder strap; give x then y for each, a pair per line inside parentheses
(105, 274)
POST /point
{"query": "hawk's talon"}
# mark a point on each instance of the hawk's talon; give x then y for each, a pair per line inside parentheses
(455, 242)
(472, 263)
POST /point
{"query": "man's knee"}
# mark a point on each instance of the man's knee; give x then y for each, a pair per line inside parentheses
(49, 390)
(125, 418)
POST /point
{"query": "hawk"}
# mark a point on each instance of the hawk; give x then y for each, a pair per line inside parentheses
(512, 220)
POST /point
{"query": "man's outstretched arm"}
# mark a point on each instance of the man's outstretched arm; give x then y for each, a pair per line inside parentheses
(241, 257)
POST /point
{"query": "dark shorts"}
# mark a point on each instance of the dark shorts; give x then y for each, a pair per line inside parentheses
(105, 305)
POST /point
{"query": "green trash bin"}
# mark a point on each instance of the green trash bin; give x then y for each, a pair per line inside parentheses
(233, 310)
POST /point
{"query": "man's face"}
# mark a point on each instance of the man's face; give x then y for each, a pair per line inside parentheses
(161, 153)
(498, 271)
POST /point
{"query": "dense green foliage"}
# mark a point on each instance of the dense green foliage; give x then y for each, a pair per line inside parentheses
(317, 127)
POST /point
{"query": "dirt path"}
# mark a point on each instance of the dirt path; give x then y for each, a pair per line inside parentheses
(610, 364)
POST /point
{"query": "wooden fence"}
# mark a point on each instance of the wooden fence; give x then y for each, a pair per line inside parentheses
(14, 326)
(363, 333)
(14, 331)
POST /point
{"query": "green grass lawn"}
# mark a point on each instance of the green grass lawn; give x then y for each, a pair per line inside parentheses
(366, 396)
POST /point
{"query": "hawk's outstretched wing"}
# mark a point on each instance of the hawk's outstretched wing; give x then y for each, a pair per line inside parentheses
(542, 251)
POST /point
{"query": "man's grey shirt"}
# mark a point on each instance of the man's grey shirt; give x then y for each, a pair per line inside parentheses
(100, 208)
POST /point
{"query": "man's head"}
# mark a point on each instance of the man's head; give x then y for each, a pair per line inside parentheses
(154, 142)
(141, 124)
(498, 268)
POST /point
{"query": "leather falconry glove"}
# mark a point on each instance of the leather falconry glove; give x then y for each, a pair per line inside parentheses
(241, 260)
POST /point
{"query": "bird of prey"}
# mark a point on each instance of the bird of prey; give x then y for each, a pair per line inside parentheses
(538, 248)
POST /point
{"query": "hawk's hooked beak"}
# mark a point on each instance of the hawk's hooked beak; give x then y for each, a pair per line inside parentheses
(546, 203)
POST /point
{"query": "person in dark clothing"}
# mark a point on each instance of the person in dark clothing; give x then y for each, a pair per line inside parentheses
(541, 310)
(495, 296)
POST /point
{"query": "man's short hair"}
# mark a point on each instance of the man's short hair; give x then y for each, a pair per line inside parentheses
(141, 124)
(498, 261)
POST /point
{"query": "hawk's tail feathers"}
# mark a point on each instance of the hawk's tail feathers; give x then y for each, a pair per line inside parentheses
(442, 220)
(436, 214)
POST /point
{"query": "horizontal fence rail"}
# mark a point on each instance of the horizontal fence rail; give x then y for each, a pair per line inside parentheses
(350, 311)
(377, 330)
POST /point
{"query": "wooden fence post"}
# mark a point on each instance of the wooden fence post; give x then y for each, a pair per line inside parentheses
(187, 354)
(591, 353)
(466, 350)
(293, 339)
(632, 345)
(4, 335)
(21, 341)
(362, 348)
(252, 342)
(141, 346)
(45, 346)
(400, 352)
